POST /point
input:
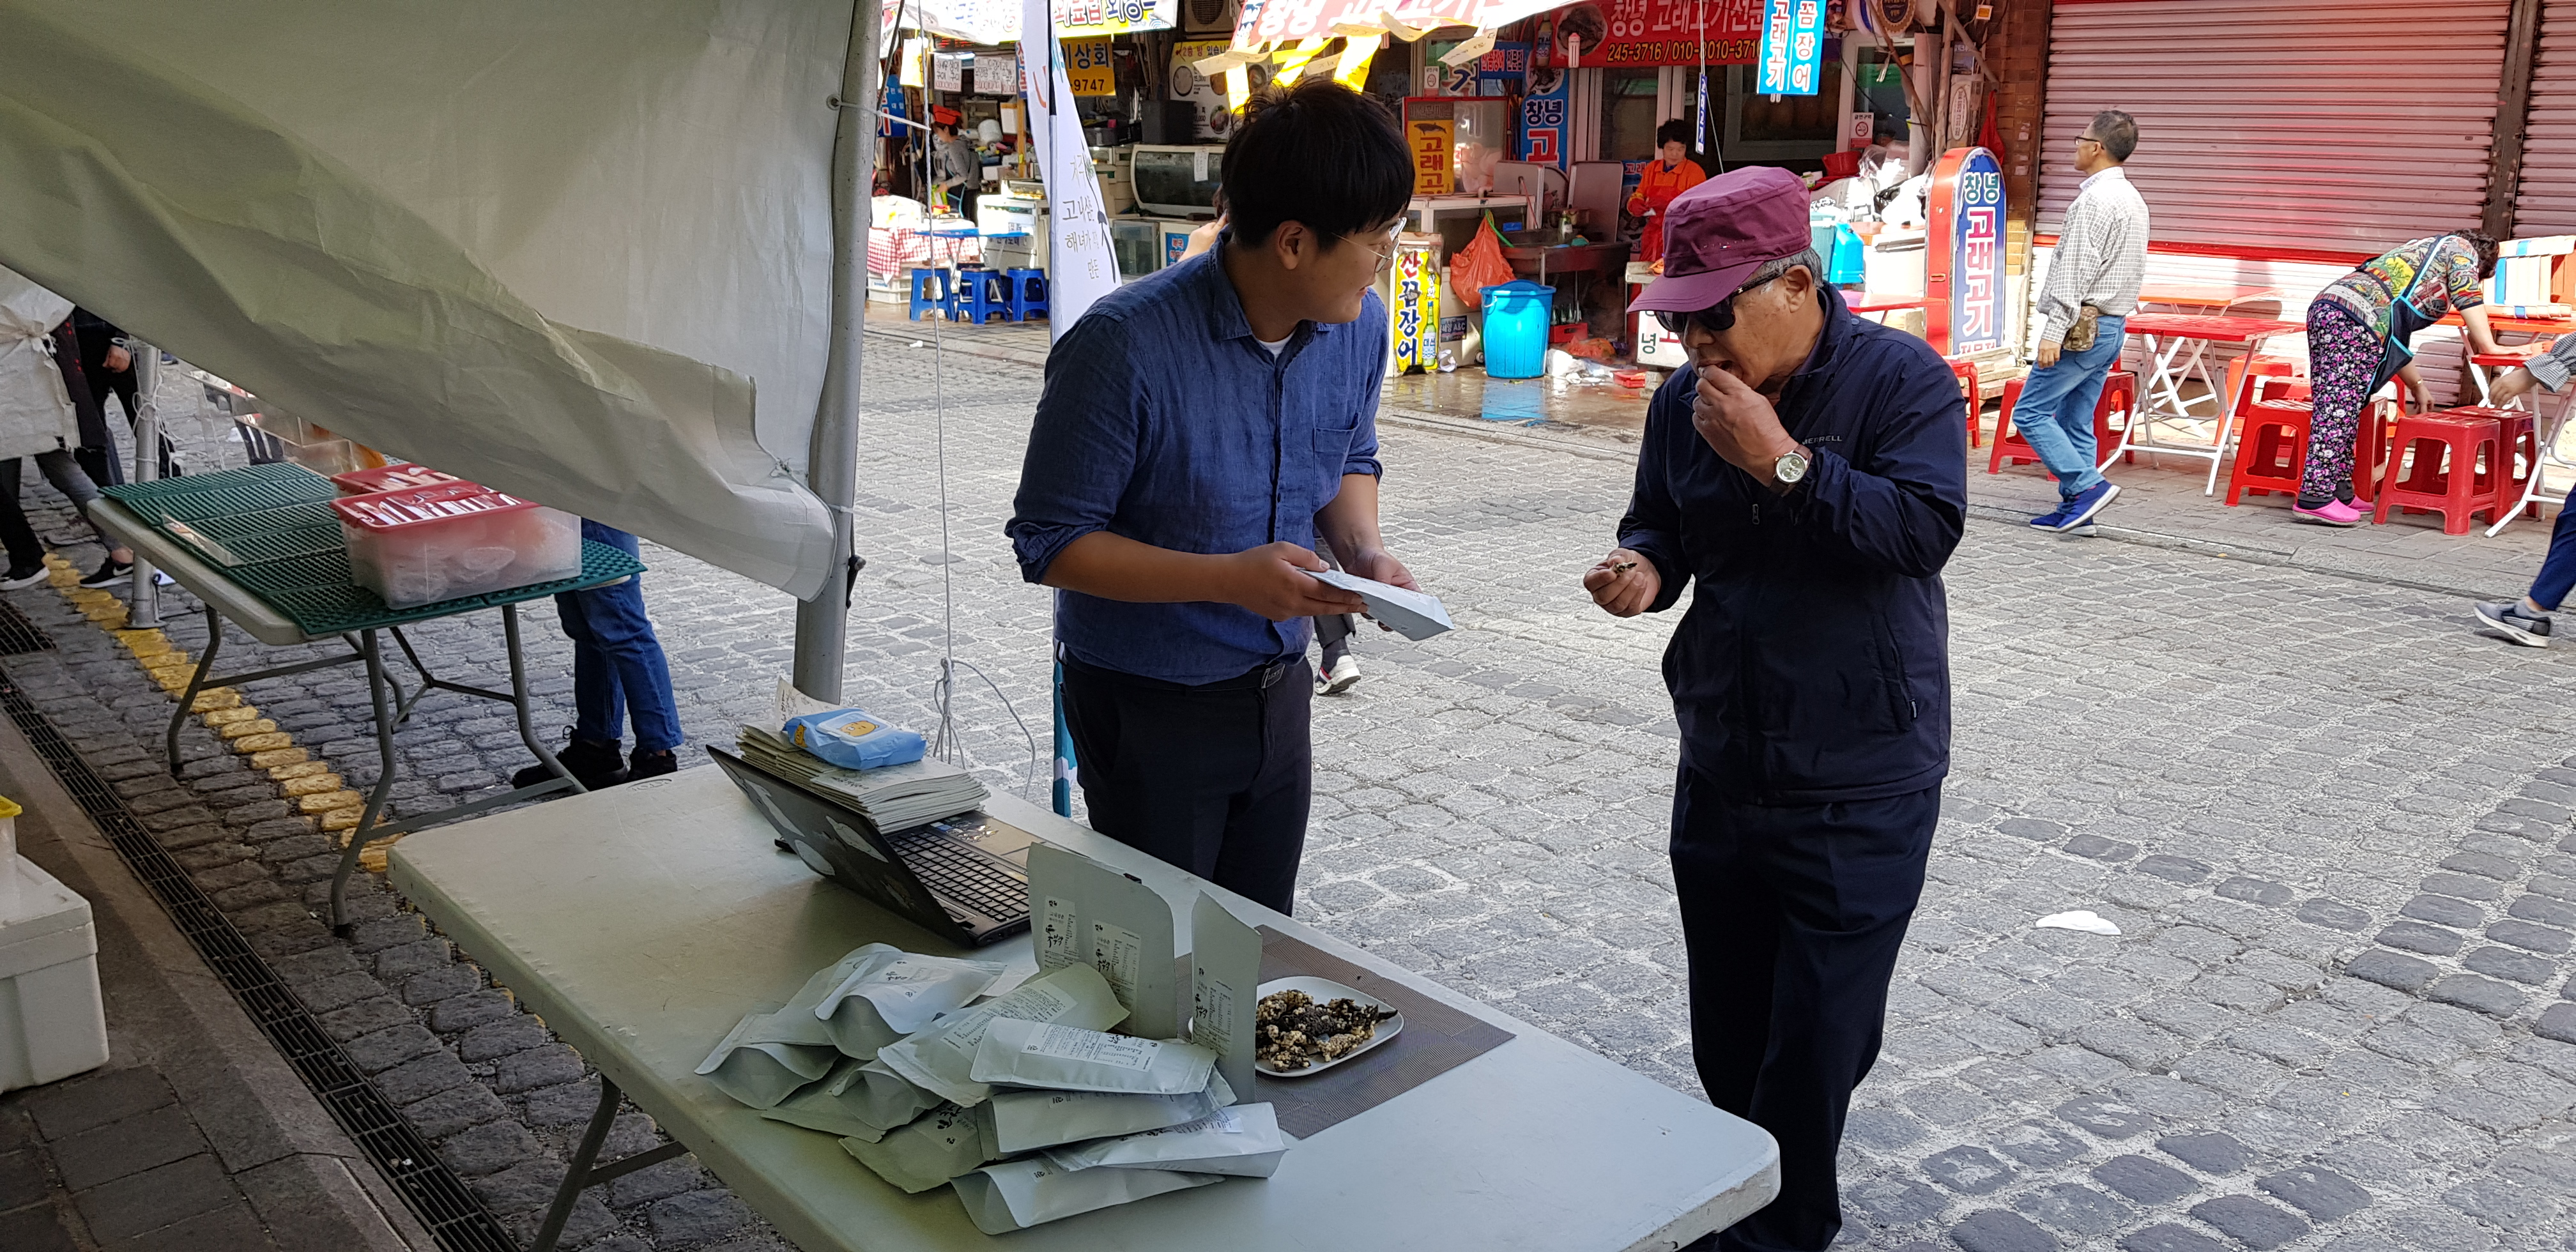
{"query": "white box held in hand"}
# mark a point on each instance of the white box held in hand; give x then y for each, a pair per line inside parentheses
(52, 1023)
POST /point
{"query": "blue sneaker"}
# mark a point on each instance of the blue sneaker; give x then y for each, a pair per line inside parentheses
(2081, 509)
(2054, 519)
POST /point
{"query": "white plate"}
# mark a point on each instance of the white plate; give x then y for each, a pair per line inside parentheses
(1325, 991)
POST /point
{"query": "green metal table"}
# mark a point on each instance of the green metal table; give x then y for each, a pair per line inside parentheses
(260, 547)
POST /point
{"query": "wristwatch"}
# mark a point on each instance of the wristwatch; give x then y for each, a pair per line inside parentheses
(1791, 467)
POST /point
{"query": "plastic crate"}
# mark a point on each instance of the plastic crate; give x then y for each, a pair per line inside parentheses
(454, 541)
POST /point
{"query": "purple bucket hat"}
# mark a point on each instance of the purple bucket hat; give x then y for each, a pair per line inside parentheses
(1717, 233)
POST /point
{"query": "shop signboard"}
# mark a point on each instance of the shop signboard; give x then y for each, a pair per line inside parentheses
(948, 71)
(1676, 32)
(997, 73)
(1075, 18)
(1964, 269)
(1087, 66)
(1435, 143)
(1543, 118)
(1203, 93)
(1416, 316)
(1793, 47)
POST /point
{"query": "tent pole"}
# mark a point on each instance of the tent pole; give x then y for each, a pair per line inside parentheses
(143, 601)
(832, 471)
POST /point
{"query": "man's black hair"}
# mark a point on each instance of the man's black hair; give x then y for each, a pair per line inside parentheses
(1674, 131)
(1317, 153)
(2118, 132)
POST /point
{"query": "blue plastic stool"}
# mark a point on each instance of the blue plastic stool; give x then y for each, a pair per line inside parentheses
(978, 299)
(923, 280)
(1028, 293)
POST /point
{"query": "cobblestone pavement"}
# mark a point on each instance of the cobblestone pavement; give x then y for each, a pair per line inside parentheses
(2331, 821)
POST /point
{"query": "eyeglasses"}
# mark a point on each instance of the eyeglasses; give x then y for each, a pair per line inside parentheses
(1385, 259)
(2088, 139)
(1716, 319)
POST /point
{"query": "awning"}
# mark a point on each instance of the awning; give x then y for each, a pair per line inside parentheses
(580, 251)
(1268, 26)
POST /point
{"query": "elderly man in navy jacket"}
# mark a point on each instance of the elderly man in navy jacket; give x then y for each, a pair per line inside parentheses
(1810, 475)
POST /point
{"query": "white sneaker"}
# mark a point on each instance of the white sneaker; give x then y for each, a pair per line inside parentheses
(1339, 679)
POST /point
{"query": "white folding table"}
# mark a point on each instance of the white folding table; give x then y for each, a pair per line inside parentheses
(643, 921)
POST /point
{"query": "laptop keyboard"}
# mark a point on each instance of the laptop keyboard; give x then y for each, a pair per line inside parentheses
(962, 876)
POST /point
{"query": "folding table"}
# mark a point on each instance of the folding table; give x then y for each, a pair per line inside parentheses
(291, 586)
(641, 922)
(2216, 297)
(2168, 337)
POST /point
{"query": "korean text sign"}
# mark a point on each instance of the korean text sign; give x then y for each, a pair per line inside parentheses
(1793, 47)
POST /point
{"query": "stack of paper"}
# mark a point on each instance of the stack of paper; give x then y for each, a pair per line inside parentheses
(890, 797)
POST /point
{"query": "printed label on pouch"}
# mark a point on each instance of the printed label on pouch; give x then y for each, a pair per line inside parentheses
(1212, 1022)
(1093, 1047)
(1058, 945)
(1031, 1003)
(1119, 955)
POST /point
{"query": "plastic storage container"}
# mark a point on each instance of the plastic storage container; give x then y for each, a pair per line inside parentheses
(52, 1022)
(1516, 321)
(422, 545)
(394, 477)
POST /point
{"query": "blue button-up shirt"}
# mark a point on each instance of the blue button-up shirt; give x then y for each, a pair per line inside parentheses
(1166, 422)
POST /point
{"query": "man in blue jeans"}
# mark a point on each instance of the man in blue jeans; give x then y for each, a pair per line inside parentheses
(617, 673)
(2101, 259)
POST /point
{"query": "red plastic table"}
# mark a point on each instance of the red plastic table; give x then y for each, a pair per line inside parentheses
(2218, 296)
(2168, 337)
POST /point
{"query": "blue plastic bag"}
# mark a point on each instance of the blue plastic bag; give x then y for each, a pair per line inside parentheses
(852, 739)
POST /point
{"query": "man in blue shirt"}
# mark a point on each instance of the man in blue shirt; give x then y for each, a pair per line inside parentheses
(1200, 430)
(1810, 476)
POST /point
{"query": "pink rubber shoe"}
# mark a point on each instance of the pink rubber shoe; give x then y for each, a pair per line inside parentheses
(2335, 513)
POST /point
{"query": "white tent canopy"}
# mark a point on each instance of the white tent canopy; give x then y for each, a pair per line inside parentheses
(578, 250)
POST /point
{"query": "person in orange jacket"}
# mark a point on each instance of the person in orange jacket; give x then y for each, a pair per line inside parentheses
(1666, 177)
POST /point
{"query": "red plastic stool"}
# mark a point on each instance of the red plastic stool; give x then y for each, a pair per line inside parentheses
(2448, 459)
(2265, 370)
(2518, 449)
(1973, 392)
(2271, 449)
(2119, 399)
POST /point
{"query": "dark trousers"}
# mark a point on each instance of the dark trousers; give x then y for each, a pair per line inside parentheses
(1215, 779)
(1792, 918)
(2558, 569)
(618, 670)
(1333, 630)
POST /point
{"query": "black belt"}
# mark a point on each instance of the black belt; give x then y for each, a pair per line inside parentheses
(1260, 678)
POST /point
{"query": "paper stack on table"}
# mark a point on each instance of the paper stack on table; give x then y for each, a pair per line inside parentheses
(1413, 614)
(890, 797)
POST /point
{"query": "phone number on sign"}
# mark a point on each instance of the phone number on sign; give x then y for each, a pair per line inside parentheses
(1675, 52)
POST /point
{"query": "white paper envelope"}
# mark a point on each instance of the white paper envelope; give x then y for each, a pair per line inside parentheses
(1413, 614)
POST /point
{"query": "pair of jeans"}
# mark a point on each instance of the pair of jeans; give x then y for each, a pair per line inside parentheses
(1791, 918)
(26, 551)
(1215, 778)
(2055, 412)
(618, 670)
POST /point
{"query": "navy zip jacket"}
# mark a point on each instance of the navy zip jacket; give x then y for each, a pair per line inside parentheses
(1813, 665)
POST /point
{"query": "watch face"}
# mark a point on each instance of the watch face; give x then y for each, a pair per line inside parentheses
(1790, 468)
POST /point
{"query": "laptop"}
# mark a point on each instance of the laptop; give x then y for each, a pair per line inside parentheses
(965, 877)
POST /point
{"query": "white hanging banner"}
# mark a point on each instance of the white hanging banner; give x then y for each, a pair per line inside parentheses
(1079, 269)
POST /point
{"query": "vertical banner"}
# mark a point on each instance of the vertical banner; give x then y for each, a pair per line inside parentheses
(1434, 161)
(1964, 269)
(1543, 117)
(1415, 320)
(1080, 269)
(1793, 47)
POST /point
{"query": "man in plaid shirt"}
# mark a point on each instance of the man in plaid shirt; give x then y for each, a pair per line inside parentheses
(2101, 258)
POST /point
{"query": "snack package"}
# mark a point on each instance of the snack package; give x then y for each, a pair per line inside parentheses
(942, 1058)
(1016, 1195)
(1242, 1141)
(763, 1059)
(926, 1153)
(1225, 974)
(885, 1099)
(1024, 1121)
(851, 739)
(1069, 1058)
(769, 1054)
(895, 993)
(834, 1106)
(1082, 912)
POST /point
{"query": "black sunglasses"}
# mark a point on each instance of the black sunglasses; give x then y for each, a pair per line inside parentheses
(1716, 319)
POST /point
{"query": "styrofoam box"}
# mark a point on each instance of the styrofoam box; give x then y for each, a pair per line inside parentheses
(426, 544)
(52, 1023)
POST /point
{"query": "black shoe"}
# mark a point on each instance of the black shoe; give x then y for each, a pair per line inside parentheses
(645, 765)
(109, 573)
(23, 576)
(594, 765)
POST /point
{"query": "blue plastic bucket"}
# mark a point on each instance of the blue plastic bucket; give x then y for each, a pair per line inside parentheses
(1516, 319)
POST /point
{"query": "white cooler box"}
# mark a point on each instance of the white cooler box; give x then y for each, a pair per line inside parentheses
(52, 1023)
